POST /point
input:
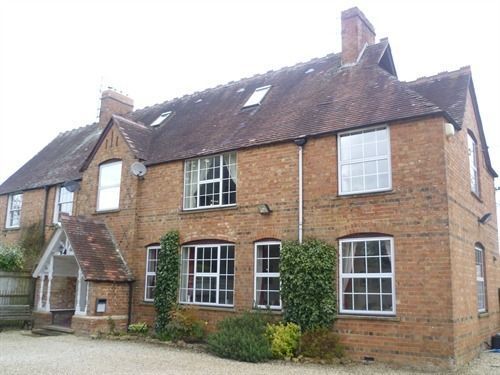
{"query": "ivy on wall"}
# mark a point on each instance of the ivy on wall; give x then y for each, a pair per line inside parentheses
(167, 279)
(32, 242)
(307, 273)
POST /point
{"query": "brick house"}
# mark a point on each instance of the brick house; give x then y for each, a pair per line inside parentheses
(396, 174)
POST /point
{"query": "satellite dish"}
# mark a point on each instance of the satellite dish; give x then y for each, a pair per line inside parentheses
(72, 186)
(138, 169)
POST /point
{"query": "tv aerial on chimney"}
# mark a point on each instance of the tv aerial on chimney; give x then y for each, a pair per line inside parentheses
(138, 169)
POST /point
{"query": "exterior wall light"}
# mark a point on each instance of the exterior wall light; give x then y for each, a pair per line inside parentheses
(485, 218)
(264, 209)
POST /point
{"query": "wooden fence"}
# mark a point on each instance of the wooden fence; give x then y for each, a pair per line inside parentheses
(16, 288)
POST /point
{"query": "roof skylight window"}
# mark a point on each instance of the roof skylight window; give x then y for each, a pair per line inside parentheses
(257, 96)
(161, 118)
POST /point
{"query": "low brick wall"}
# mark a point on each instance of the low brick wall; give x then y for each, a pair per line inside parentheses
(89, 325)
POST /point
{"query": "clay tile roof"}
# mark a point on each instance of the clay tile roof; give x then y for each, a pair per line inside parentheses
(57, 162)
(448, 90)
(312, 98)
(95, 250)
(137, 136)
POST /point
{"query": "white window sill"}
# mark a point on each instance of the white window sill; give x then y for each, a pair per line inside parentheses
(388, 190)
(111, 210)
(208, 307)
(390, 318)
(208, 209)
(12, 228)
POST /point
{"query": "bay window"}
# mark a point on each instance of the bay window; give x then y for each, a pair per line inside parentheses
(367, 276)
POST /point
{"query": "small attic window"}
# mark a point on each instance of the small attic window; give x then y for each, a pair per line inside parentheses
(257, 96)
(161, 118)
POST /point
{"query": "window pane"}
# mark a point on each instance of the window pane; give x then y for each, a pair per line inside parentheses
(367, 291)
(364, 161)
(110, 174)
(267, 289)
(374, 302)
(109, 198)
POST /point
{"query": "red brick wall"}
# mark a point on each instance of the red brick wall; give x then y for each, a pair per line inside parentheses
(429, 212)
(62, 292)
(415, 212)
(32, 212)
(116, 295)
(470, 328)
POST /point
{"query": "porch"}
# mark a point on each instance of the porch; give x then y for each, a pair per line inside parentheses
(81, 279)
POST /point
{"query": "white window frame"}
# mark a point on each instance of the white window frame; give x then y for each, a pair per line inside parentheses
(473, 164)
(208, 274)
(340, 163)
(220, 180)
(481, 279)
(265, 274)
(101, 188)
(256, 98)
(148, 272)
(10, 211)
(366, 275)
(58, 203)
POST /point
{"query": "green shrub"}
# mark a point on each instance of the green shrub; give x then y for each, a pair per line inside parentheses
(321, 343)
(138, 328)
(183, 325)
(307, 273)
(242, 338)
(11, 258)
(167, 279)
(284, 339)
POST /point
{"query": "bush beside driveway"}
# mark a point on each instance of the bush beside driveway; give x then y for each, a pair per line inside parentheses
(21, 353)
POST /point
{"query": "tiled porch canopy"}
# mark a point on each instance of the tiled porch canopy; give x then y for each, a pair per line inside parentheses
(83, 248)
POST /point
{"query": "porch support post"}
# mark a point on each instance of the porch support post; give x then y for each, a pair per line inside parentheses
(49, 285)
(40, 291)
(78, 291)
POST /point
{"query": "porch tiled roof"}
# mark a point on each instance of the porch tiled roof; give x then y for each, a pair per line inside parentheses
(95, 250)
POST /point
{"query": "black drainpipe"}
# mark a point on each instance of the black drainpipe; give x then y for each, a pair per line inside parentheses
(130, 289)
(44, 216)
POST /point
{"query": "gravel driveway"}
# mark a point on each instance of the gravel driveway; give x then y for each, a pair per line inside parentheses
(21, 353)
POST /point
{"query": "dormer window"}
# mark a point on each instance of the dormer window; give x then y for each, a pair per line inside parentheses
(257, 97)
(161, 118)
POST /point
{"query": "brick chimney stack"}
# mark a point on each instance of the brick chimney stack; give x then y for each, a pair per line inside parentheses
(113, 103)
(356, 32)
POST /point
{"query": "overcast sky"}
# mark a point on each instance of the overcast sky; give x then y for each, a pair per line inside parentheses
(55, 56)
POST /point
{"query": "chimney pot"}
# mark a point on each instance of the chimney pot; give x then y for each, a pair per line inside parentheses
(356, 32)
(113, 103)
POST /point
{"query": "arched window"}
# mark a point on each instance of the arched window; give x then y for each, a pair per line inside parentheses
(108, 195)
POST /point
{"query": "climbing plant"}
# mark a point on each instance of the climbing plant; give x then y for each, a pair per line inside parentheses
(167, 279)
(32, 242)
(307, 273)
